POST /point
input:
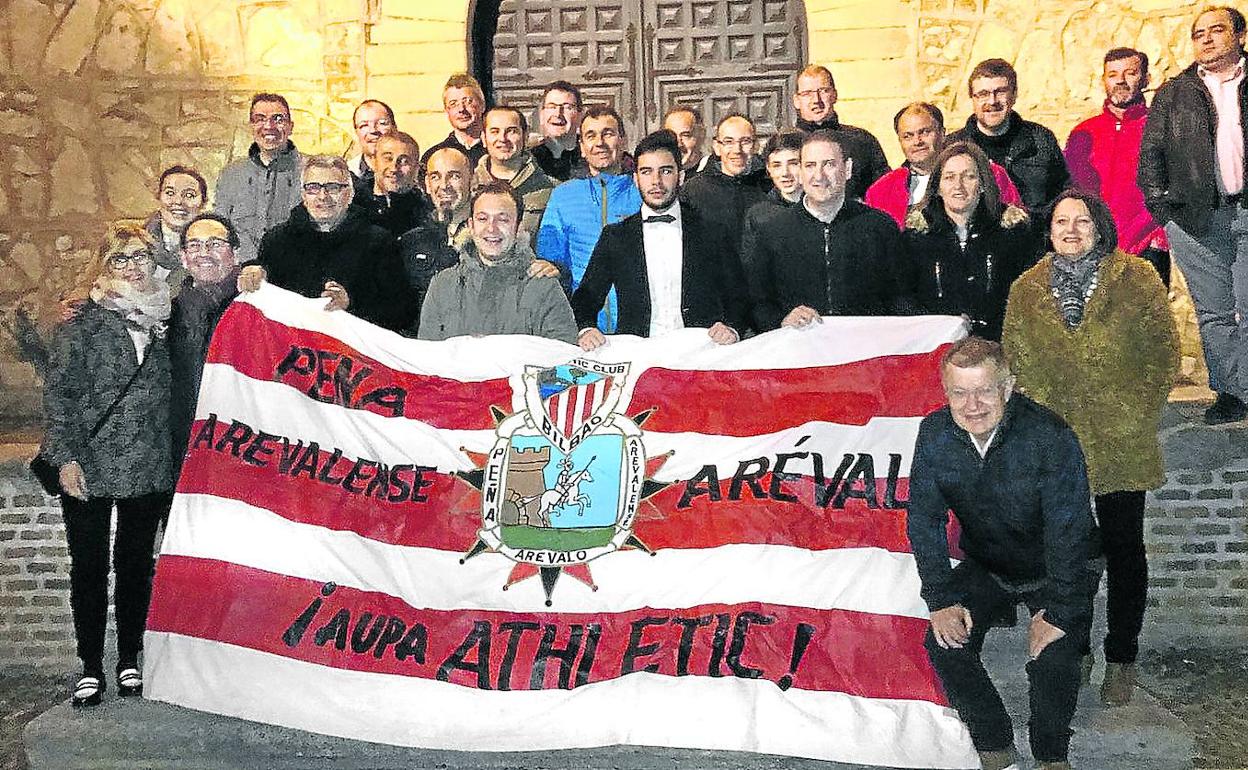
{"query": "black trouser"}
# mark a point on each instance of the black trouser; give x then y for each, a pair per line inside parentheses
(86, 529)
(1121, 518)
(1053, 677)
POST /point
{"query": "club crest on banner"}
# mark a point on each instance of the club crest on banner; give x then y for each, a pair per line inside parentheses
(563, 482)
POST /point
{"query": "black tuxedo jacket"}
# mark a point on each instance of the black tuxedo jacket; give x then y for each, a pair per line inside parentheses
(712, 287)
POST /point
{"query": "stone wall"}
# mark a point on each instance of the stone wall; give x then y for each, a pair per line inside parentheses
(1196, 533)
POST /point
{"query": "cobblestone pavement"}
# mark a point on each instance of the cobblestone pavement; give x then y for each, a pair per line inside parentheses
(1206, 688)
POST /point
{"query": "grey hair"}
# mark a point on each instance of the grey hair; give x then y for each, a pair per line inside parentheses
(323, 161)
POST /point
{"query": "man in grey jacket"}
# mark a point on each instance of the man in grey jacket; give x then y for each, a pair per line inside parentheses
(259, 191)
(491, 291)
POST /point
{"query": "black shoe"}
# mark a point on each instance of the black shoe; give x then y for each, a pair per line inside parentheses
(88, 691)
(1226, 408)
(129, 682)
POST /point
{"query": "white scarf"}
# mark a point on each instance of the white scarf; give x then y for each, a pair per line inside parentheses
(144, 311)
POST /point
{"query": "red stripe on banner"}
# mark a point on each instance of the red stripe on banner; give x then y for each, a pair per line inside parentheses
(857, 653)
(774, 399)
(331, 371)
(441, 511)
(591, 401)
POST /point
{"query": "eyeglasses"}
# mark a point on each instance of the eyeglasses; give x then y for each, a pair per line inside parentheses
(277, 120)
(316, 188)
(214, 245)
(826, 92)
(996, 93)
(745, 143)
(989, 393)
(379, 124)
(122, 259)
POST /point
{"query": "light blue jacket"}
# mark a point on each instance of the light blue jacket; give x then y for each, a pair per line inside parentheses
(574, 220)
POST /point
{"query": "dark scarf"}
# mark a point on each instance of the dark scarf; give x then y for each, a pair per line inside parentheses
(1072, 284)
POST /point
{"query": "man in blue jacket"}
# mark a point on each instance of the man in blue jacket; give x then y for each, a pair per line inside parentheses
(1014, 476)
(579, 208)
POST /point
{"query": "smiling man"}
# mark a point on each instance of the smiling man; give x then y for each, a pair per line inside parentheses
(371, 121)
(1014, 476)
(814, 98)
(328, 248)
(1028, 151)
(463, 101)
(1192, 170)
(920, 130)
(491, 290)
(507, 160)
(559, 117)
(257, 192)
(828, 255)
(670, 268)
(394, 202)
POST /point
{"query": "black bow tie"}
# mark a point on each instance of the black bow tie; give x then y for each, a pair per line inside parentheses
(659, 218)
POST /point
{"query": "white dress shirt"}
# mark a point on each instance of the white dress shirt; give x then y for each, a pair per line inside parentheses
(918, 186)
(1229, 135)
(664, 252)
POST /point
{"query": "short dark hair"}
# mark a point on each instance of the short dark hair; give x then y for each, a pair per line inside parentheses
(497, 187)
(1238, 24)
(989, 191)
(993, 68)
(524, 122)
(231, 233)
(662, 140)
(264, 96)
(825, 135)
(785, 140)
(1102, 218)
(975, 351)
(926, 107)
(386, 107)
(566, 87)
(178, 168)
(1116, 54)
(600, 111)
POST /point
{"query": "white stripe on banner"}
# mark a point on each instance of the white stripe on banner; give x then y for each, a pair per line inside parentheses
(275, 408)
(692, 712)
(856, 579)
(835, 341)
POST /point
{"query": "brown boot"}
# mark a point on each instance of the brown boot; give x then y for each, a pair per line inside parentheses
(998, 760)
(1119, 684)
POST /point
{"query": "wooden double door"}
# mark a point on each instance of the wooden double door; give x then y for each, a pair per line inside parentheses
(645, 56)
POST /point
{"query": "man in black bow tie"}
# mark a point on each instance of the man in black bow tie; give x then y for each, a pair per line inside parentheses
(670, 268)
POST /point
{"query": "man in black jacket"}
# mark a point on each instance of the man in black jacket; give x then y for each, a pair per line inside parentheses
(209, 245)
(815, 102)
(1014, 476)
(670, 267)
(1192, 170)
(1028, 151)
(329, 249)
(392, 201)
(828, 255)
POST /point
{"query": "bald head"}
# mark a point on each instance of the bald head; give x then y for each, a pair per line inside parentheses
(448, 176)
(734, 144)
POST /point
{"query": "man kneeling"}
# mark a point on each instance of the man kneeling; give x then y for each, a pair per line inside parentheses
(1014, 476)
(491, 290)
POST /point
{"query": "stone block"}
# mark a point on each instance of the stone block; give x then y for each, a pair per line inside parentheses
(1172, 494)
(1180, 565)
(30, 22)
(1199, 582)
(74, 38)
(15, 123)
(53, 634)
(1231, 477)
(1168, 529)
(1206, 547)
(1196, 447)
(1229, 601)
(1214, 493)
(62, 584)
(120, 49)
(170, 50)
(1191, 512)
(19, 584)
(42, 567)
(1211, 529)
(73, 181)
(1237, 547)
(31, 197)
(14, 518)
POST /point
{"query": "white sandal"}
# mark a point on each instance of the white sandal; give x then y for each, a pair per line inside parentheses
(88, 691)
(129, 682)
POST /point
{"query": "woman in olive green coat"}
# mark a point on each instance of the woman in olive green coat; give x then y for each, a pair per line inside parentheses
(1089, 334)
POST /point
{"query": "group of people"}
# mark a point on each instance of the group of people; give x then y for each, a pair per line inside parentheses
(1058, 259)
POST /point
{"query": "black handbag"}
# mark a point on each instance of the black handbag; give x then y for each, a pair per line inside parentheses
(49, 475)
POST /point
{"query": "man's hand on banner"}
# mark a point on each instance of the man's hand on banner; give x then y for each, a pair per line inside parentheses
(337, 295)
(540, 268)
(1041, 634)
(723, 334)
(952, 626)
(590, 339)
(250, 278)
(800, 317)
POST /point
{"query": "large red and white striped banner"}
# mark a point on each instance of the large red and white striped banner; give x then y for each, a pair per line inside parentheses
(503, 543)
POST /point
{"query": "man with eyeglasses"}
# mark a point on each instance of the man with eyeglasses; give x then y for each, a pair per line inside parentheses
(258, 192)
(1192, 172)
(372, 120)
(814, 98)
(1028, 151)
(208, 251)
(920, 128)
(464, 104)
(1014, 476)
(328, 248)
(507, 160)
(559, 117)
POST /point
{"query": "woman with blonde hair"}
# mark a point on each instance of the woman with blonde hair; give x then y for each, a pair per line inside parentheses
(1089, 334)
(106, 401)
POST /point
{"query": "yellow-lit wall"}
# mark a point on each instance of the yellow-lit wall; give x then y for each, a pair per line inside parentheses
(97, 96)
